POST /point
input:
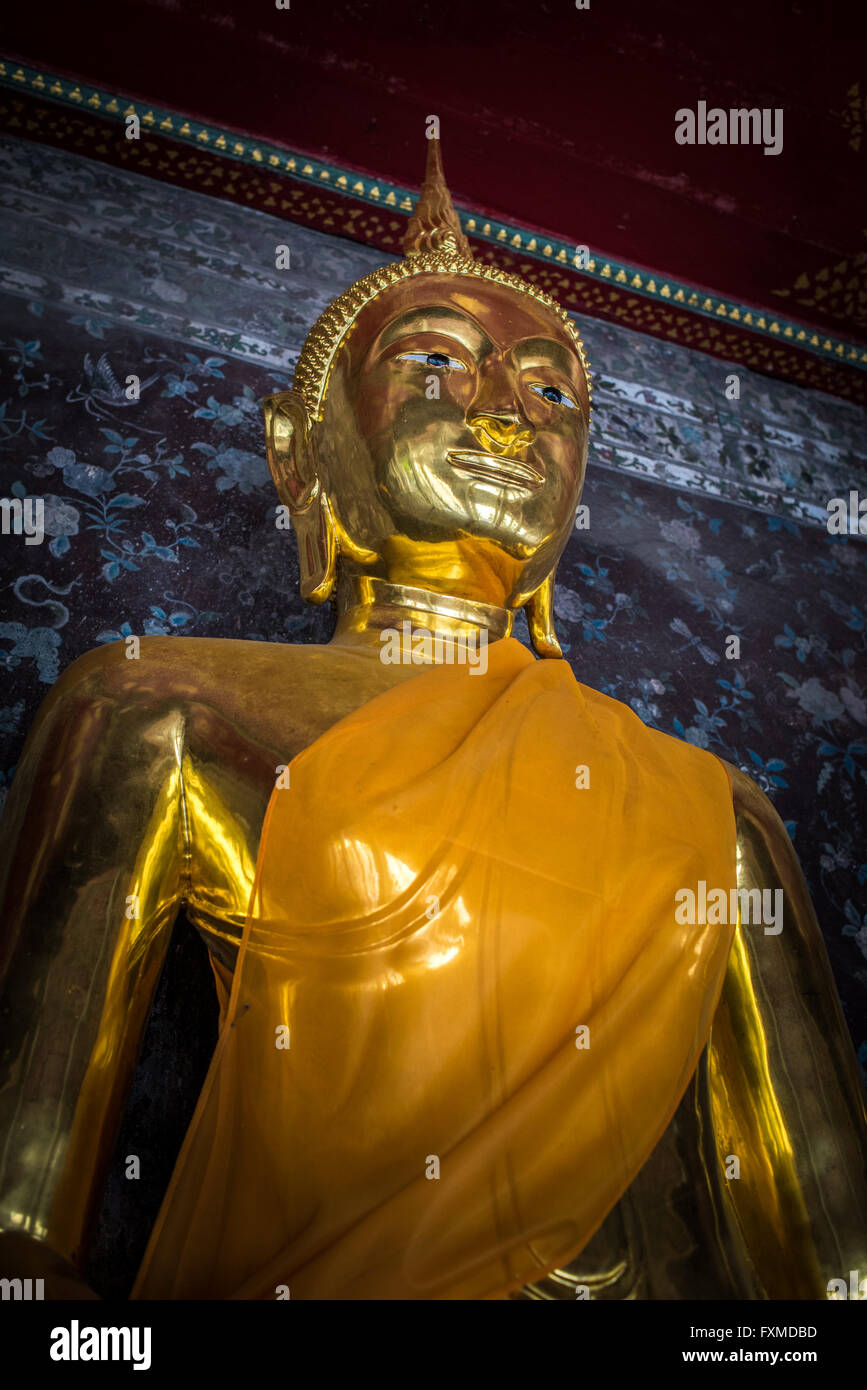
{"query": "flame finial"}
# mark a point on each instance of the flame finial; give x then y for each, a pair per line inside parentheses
(434, 225)
(434, 244)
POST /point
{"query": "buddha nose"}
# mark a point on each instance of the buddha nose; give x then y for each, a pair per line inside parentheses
(503, 431)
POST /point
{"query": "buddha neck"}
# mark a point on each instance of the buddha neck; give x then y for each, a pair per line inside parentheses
(367, 607)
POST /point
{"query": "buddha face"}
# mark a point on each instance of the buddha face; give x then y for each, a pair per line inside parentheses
(454, 437)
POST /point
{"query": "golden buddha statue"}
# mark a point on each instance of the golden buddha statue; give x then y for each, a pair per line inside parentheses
(470, 1046)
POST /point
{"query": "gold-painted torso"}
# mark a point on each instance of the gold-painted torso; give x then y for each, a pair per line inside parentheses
(186, 760)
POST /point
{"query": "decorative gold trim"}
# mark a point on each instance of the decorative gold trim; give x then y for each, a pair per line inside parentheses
(68, 93)
(367, 591)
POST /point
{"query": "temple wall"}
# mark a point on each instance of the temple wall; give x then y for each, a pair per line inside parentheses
(706, 514)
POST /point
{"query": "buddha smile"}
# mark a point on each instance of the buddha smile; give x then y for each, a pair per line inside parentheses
(494, 468)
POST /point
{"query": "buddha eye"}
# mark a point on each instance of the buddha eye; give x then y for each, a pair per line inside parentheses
(440, 361)
(554, 395)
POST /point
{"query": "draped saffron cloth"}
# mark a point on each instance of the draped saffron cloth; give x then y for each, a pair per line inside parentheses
(463, 1012)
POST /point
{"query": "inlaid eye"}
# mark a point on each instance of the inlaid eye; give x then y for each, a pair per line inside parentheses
(440, 361)
(554, 395)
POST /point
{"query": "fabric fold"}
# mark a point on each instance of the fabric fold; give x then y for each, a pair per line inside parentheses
(463, 1011)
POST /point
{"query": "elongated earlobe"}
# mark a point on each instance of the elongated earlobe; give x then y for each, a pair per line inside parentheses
(292, 459)
(540, 620)
(317, 548)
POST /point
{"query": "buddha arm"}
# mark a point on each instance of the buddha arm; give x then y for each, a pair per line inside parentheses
(782, 1084)
(91, 876)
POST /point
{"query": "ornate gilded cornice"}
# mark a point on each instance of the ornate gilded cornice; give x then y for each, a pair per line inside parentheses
(638, 298)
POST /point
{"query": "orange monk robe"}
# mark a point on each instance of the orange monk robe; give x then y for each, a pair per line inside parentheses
(491, 1011)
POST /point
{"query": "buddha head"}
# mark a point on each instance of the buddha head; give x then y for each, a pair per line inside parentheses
(436, 435)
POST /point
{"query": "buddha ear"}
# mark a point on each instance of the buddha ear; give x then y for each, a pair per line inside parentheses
(291, 448)
(540, 620)
(290, 444)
